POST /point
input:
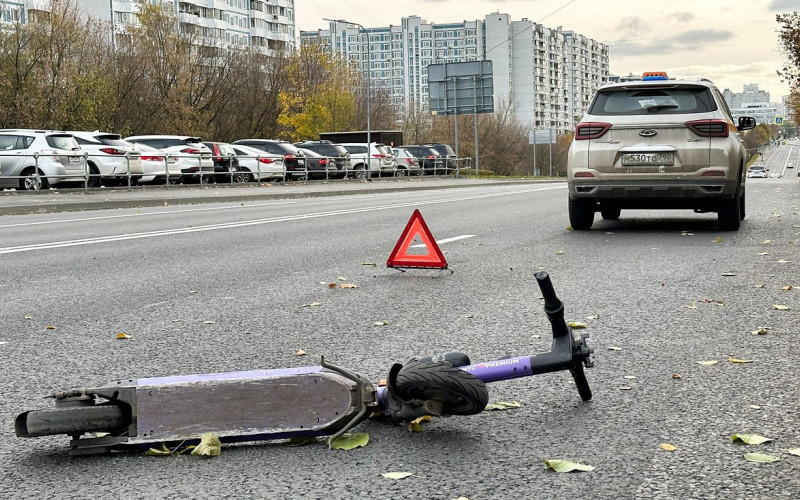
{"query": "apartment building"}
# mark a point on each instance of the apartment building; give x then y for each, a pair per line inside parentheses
(267, 26)
(547, 76)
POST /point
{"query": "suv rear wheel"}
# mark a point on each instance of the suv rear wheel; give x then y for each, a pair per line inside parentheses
(581, 213)
(729, 216)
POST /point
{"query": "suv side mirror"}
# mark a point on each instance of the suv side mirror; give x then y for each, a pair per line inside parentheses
(746, 123)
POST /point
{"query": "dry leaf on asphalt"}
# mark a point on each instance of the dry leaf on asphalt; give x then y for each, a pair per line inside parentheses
(301, 352)
(416, 424)
(349, 441)
(348, 285)
(738, 360)
(762, 330)
(749, 439)
(794, 451)
(676, 376)
(718, 239)
(668, 447)
(210, 446)
(568, 466)
(692, 305)
(710, 362)
(614, 348)
(577, 325)
(503, 405)
(787, 288)
(761, 458)
(123, 336)
(397, 475)
(729, 274)
(779, 307)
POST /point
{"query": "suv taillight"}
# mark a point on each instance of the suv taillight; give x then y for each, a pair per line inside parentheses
(152, 158)
(191, 151)
(591, 130)
(265, 160)
(709, 128)
(112, 151)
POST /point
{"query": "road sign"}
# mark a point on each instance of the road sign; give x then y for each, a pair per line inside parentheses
(545, 136)
(460, 88)
(400, 257)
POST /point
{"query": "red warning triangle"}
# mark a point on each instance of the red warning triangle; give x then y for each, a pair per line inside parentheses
(401, 258)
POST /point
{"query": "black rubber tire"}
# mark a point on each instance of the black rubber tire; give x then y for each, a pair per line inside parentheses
(581, 213)
(610, 212)
(581, 383)
(460, 392)
(27, 183)
(729, 213)
(94, 180)
(72, 420)
(742, 211)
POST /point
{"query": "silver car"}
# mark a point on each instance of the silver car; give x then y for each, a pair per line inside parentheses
(55, 155)
(194, 157)
(371, 159)
(157, 165)
(258, 163)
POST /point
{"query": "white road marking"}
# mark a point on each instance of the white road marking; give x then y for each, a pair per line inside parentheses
(446, 240)
(256, 222)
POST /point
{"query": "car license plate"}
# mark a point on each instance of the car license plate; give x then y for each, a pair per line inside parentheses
(644, 159)
(74, 159)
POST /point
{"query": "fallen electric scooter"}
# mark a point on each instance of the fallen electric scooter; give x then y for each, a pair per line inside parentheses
(314, 401)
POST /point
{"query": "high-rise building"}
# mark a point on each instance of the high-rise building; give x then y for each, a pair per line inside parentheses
(753, 102)
(267, 26)
(547, 76)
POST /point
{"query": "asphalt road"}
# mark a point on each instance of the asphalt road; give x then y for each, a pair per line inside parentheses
(225, 286)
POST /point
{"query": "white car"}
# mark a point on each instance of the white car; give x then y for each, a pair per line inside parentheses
(194, 157)
(407, 162)
(59, 159)
(369, 160)
(757, 171)
(258, 163)
(109, 157)
(158, 165)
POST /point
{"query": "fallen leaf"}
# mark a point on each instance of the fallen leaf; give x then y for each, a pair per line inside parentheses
(794, 451)
(28, 316)
(348, 285)
(416, 424)
(577, 325)
(668, 447)
(341, 278)
(567, 466)
(758, 286)
(763, 253)
(676, 376)
(312, 304)
(559, 252)
(537, 336)
(301, 352)
(787, 288)
(396, 475)
(729, 274)
(210, 446)
(299, 441)
(754, 407)
(780, 307)
(49, 327)
(192, 291)
(693, 305)
(614, 348)
(767, 242)
(208, 322)
(380, 323)
(503, 405)
(159, 452)
(629, 377)
(737, 360)
(332, 285)
(749, 439)
(594, 316)
(369, 264)
(784, 261)
(348, 441)
(760, 458)
(123, 336)
(762, 330)
(625, 388)
(718, 239)
(710, 362)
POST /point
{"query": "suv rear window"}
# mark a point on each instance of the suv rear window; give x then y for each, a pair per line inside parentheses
(643, 101)
(62, 142)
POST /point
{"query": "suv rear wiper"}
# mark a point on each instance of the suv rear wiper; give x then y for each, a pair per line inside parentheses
(661, 106)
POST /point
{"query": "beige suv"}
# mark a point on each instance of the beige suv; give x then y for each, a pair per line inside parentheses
(657, 144)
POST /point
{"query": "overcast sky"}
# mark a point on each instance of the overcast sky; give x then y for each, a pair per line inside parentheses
(732, 42)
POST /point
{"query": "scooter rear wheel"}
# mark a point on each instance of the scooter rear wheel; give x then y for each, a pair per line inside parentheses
(460, 392)
(72, 420)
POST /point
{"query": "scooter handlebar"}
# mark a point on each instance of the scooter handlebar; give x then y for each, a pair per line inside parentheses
(553, 306)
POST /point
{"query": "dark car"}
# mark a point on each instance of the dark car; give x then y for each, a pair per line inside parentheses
(334, 152)
(432, 161)
(446, 152)
(293, 160)
(226, 165)
(318, 166)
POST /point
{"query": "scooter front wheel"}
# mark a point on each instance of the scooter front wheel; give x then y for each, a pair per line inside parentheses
(73, 420)
(460, 392)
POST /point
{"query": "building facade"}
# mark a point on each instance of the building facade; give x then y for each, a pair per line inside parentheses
(266, 26)
(755, 103)
(547, 76)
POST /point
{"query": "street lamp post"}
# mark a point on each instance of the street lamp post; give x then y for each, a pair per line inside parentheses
(369, 89)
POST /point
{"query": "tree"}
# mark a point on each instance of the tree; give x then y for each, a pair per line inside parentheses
(789, 37)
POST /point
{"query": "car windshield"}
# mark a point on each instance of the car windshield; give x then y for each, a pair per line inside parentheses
(653, 100)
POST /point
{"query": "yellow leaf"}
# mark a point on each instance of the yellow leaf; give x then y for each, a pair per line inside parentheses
(737, 360)
(210, 446)
(754, 407)
(780, 307)
(794, 451)
(710, 362)
(503, 405)
(577, 325)
(749, 439)
(28, 316)
(123, 336)
(761, 331)
(348, 285)
(301, 352)
(159, 452)
(416, 424)
(668, 447)
(349, 441)
(718, 239)
(567, 466)
(396, 475)
(559, 252)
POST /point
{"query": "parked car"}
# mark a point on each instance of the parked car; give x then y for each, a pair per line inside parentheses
(110, 158)
(658, 144)
(226, 165)
(293, 161)
(432, 161)
(318, 166)
(371, 159)
(447, 154)
(335, 152)
(158, 165)
(757, 171)
(405, 159)
(194, 157)
(259, 164)
(60, 159)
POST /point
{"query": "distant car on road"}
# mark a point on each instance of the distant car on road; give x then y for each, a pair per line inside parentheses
(757, 171)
